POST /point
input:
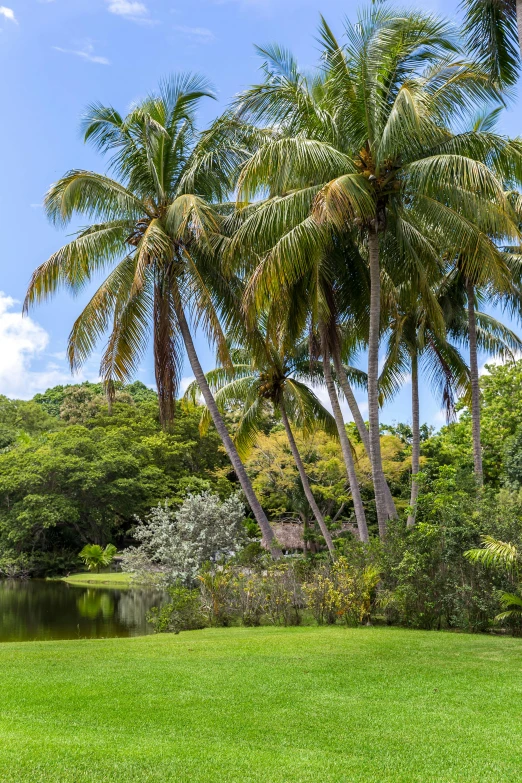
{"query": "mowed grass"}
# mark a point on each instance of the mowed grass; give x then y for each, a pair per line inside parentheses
(91, 579)
(266, 705)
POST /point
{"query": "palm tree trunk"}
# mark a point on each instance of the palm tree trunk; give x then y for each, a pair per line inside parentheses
(269, 539)
(359, 422)
(475, 388)
(346, 446)
(304, 481)
(415, 443)
(373, 380)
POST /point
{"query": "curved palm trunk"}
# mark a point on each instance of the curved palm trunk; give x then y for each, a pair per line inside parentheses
(269, 539)
(359, 422)
(346, 447)
(475, 388)
(373, 381)
(415, 444)
(304, 481)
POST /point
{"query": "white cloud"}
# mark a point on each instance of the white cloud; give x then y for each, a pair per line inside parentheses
(129, 9)
(196, 34)
(496, 361)
(8, 13)
(439, 417)
(86, 53)
(322, 393)
(24, 342)
(363, 407)
(185, 383)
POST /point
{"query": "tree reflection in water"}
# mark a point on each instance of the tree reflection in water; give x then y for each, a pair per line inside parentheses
(94, 602)
(36, 609)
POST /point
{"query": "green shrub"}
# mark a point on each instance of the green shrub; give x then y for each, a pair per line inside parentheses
(248, 598)
(283, 594)
(342, 591)
(216, 592)
(182, 613)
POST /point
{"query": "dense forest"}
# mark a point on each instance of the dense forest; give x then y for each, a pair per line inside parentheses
(74, 470)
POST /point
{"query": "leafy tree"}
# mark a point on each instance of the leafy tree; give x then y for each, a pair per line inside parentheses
(276, 479)
(501, 411)
(53, 400)
(19, 418)
(80, 484)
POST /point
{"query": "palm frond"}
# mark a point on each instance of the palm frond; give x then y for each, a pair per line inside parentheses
(494, 554)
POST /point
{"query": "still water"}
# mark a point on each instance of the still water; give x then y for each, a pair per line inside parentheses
(36, 609)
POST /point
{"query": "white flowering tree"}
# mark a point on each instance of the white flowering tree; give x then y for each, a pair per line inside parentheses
(175, 544)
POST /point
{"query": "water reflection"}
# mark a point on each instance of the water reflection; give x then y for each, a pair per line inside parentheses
(92, 603)
(37, 609)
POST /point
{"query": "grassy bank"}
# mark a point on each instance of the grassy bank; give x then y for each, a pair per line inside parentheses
(266, 705)
(91, 579)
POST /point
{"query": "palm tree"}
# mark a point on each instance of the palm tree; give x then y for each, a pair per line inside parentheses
(261, 380)
(500, 554)
(494, 32)
(343, 297)
(468, 283)
(417, 343)
(95, 557)
(154, 224)
(323, 301)
(468, 326)
(366, 145)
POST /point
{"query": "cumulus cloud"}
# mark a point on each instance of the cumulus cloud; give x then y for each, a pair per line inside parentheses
(8, 13)
(24, 343)
(322, 393)
(196, 34)
(496, 361)
(86, 52)
(185, 383)
(129, 9)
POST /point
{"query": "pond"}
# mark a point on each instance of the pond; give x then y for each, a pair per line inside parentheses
(39, 610)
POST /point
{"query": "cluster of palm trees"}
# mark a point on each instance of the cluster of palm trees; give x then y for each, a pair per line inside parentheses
(370, 204)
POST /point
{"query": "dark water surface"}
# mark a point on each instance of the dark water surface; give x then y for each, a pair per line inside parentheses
(39, 610)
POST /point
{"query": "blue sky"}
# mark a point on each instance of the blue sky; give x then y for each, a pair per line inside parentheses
(59, 55)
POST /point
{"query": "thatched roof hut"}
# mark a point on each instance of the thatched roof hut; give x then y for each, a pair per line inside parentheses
(290, 533)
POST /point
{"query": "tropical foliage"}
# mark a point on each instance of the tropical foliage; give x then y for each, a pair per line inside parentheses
(337, 233)
(95, 557)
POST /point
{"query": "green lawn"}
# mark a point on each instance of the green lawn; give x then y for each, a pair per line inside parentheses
(91, 579)
(264, 705)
